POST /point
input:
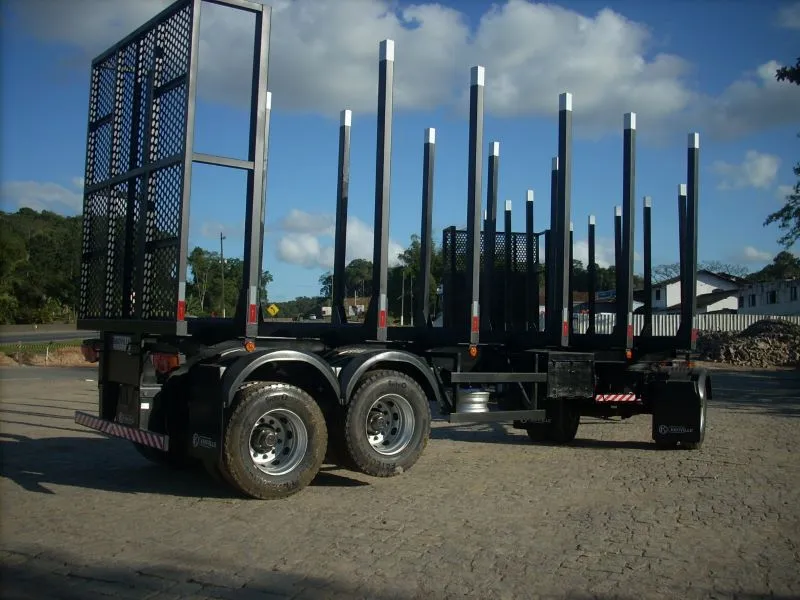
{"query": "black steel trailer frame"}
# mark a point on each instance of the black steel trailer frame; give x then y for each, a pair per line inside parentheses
(177, 387)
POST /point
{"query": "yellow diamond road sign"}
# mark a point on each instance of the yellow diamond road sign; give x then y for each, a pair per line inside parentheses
(272, 310)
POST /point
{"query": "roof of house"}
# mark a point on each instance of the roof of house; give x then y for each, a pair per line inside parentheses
(704, 300)
(723, 276)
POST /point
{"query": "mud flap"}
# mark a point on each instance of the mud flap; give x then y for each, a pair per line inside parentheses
(204, 438)
(679, 410)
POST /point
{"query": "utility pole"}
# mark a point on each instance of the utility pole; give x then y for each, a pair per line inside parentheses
(222, 269)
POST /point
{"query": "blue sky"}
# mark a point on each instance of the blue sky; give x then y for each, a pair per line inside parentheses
(681, 66)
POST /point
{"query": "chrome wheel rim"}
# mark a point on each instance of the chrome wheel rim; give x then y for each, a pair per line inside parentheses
(390, 424)
(278, 442)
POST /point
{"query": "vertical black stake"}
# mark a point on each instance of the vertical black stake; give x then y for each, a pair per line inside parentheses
(624, 294)
(261, 300)
(562, 245)
(647, 328)
(682, 241)
(426, 247)
(338, 314)
(617, 266)
(592, 272)
(552, 309)
(689, 302)
(531, 272)
(256, 182)
(571, 300)
(490, 237)
(378, 313)
(508, 270)
(474, 186)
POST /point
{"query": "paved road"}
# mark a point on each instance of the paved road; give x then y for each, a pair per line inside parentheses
(46, 373)
(485, 514)
(32, 337)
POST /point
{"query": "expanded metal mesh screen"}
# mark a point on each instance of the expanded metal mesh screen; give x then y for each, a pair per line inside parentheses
(509, 298)
(135, 164)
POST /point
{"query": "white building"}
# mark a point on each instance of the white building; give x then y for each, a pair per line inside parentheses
(715, 292)
(771, 298)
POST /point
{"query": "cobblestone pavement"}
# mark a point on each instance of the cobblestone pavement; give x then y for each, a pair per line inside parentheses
(485, 514)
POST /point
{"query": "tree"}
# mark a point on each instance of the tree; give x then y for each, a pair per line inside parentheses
(788, 217)
(205, 283)
(785, 265)
(670, 271)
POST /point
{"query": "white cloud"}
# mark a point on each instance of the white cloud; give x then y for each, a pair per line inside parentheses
(212, 229)
(603, 252)
(754, 255)
(40, 195)
(788, 16)
(757, 170)
(754, 102)
(306, 240)
(782, 191)
(324, 58)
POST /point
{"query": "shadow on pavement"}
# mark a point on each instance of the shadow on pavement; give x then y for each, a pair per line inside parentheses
(51, 574)
(114, 466)
(769, 393)
(496, 433)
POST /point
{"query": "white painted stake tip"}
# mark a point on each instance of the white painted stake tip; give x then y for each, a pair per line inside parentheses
(430, 135)
(530, 195)
(565, 101)
(387, 50)
(554, 164)
(495, 149)
(592, 220)
(682, 189)
(617, 211)
(571, 227)
(508, 205)
(346, 118)
(694, 140)
(477, 75)
(648, 202)
(269, 101)
(630, 120)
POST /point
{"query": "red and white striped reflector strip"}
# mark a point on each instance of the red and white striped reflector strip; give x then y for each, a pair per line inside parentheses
(616, 398)
(140, 436)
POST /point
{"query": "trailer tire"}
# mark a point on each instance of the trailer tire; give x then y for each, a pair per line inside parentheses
(377, 447)
(269, 421)
(565, 422)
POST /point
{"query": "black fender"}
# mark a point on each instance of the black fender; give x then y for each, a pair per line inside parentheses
(352, 372)
(238, 372)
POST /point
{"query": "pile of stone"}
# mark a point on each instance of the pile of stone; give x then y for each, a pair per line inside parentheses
(765, 344)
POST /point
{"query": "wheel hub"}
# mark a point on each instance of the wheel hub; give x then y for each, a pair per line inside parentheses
(266, 438)
(390, 424)
(377, 423)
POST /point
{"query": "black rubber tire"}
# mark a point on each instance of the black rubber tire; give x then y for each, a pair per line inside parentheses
(539, 432)
(249, 404)
(562, 426)
(565, 421)
(360, 453)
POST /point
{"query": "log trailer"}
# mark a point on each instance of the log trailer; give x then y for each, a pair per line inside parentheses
(262, 404)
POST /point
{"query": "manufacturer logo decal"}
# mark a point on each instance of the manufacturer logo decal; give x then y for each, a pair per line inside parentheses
(665, 429)
(202, 441)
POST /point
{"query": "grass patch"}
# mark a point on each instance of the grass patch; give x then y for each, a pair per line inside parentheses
(61, 354)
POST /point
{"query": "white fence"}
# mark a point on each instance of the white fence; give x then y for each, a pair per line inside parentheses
(667, 324)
